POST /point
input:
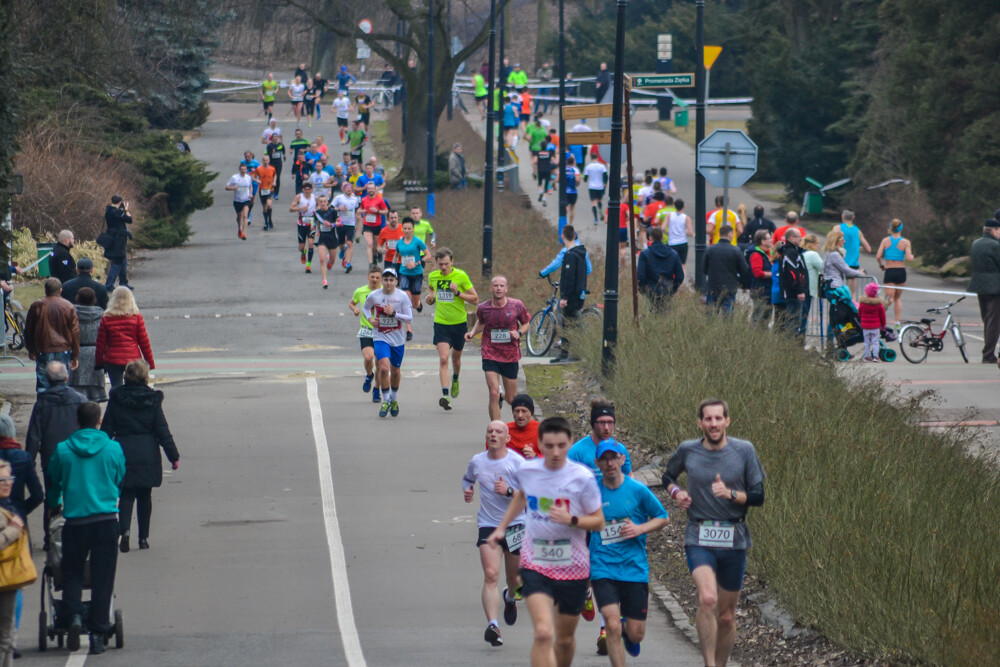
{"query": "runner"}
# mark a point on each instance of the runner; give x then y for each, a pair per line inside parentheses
(346, 204)
(363, 106)
(321, 181)
(365, 332)
(342, 107)
(724, 478)
(305, 205)
(326, 224)
(309, 100)
(386, 309)
(275, 150)
(344, 80)
(242, 186)
(451, 290)
(269, 131)
(299, 145)
(357, 138)
(537, 138)
(511, 121)
(389, 237)
(493, 470)
(251, 162)
(619, 566)
(296, 93)
(524, 429)
(370, 177)
(268, 87)
(423, 229)
(596, 175)
(504, 321)
(480, 92)
(319, 83)
(572, 176)
(543, 165)
(373, 207)
(410, 252)
(265, 176)
(563, 503)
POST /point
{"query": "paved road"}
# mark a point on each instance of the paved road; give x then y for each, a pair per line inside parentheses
(291, 491)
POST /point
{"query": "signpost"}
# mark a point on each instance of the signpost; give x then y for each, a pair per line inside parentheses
(660, 80)
(727, 158)
(711, 53)
(583, 111)
(665, 46)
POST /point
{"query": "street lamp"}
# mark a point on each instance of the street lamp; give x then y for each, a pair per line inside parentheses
(563, 184)
(430, 108)
(700, 240)
(488, 177)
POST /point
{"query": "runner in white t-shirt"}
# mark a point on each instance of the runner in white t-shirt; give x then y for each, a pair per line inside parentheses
(272, 128)
(493, 470)
(596, 174)
(305, 205)
(561, 503)
(388, 309)
(342, 105)
(242, 186)
(297, 93)
(346, 204)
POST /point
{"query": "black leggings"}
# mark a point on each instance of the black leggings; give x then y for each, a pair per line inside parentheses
(144, 499)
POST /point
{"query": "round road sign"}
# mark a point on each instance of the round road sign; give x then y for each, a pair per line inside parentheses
(365, 25)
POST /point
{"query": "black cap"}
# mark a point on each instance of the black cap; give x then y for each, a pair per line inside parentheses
(996, 214)
(523, 401)
(85, 264)
(601, 411)
(992, 223)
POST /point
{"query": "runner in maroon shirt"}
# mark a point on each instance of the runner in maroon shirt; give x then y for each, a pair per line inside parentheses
(502, 322)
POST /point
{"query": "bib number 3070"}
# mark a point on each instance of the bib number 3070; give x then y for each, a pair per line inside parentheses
(716, 534)
(557, 553)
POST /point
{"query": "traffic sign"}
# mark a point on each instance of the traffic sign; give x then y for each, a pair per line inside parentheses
(664, 46)
(660, 80)
(365, 26)
(364, 53)
(581, 111)
(588, 138)
(711, 53)
(727, 152)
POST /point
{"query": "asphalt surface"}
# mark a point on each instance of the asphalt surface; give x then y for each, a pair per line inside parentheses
(297, 530)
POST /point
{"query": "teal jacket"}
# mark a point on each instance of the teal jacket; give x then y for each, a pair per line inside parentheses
(86, 470)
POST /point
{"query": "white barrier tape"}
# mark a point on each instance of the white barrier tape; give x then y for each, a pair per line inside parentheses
(925, 291)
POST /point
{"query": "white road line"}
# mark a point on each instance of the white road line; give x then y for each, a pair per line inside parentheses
(338, 561)
(79, 658)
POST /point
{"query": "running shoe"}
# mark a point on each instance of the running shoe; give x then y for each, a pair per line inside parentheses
(302, 259)
(367, 386)
(409, 336)
(518, 593)
(347, 269)
(275, 199)
(509, 610)
(340, 255)
(602, 642)
(492, 635)
(325, 286)
(420, 307)
(329, 263)
(384, 410)
(588, 608)
(308, 268)
(540, 195)
(545, 203)
(454, 388)
(376, 395)
(444, 403)
(630, 646)
(394, 408)
(239, 234)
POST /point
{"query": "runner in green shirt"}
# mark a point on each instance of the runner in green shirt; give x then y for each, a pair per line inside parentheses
(268, 88)
(537, 137)
(365, 332)
(479, 83)
(356, 137)
(422, 230)
(451, 290)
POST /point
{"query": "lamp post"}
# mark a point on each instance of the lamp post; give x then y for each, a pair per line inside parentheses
(501, 157)
(699, 123)
(430, 108)
(611, 250)
(488, 177)
(561, 158)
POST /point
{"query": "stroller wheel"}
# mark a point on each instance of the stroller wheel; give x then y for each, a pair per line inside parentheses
(119, 629)
(887, 354)
(43, 631)
(842, 355)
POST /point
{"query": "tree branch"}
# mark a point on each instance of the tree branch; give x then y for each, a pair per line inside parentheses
(481, 37)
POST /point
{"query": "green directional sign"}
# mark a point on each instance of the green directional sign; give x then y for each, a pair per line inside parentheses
(661, 80)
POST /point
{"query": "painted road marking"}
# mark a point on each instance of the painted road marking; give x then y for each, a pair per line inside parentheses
(983, 422)
(79, 658)
(934, 382)
(338, 561)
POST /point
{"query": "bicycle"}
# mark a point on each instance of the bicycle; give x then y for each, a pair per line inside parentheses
(13, 323)
(916, 340)
(543, 324)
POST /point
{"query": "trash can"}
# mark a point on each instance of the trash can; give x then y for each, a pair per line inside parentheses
(44, 250)
(814, 203)
(681, 117)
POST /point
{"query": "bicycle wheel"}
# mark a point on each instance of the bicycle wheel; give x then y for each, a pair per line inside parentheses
(17, 336)
(912, 344)
(956, 333)
(541, 332)
(591, 318)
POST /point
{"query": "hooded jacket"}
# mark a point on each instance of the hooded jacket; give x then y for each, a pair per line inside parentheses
(871, 313)
(86, 471)
(135, 419)
(53, 419)
(659, 270)
(25, 477)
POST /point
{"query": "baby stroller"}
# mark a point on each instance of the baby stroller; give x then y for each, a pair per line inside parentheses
(53, 622)
(845, 325)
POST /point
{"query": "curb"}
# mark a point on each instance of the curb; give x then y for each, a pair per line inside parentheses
(675, 612)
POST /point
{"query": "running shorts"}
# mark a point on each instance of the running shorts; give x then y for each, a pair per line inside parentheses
(895, 276)
(544, 177)
(341, 122)
(385, 351)
(452, 334)
(328, 239)
(729, 565)
(571, 198)
(596, 195)
(367, 341)
(265, 197)
(623, 234)
(507, 369)
(411, 284)
(631, 596)
(345, 234)
(240, 205)
(484, 534)
(304, 232)
(268, 104)
(569, 596)
(310, 106)
(364, 119)
(525, 117)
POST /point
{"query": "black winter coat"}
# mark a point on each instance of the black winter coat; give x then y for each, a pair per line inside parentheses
(135, 419)
(61, 263)
(116, 218)
(53, 419)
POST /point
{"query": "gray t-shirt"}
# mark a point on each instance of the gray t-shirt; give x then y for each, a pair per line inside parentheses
(738, 466)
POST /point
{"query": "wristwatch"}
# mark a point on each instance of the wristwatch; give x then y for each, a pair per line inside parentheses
(510, 492)
(732, 495)
(573, 520)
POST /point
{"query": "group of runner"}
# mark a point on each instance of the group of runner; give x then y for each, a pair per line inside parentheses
(306, 92)
(568, 524)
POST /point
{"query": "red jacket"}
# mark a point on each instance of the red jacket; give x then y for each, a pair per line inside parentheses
(871, 312)
(121, 339)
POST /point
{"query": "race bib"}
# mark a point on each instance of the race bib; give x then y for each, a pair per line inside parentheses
(716, 534)
(515, 536)
(387, 322)
(370, 218)
(306, 222)
(391, 244)
(500, 335)
(365, 332)
(445, 295)
(409, 262)
(557, 553)
(244, 190)
(265, 193)
(612, 532)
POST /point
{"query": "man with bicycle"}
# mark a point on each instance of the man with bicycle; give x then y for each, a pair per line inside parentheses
(575, 266)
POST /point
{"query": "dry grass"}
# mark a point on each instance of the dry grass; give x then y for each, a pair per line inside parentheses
(25, 252)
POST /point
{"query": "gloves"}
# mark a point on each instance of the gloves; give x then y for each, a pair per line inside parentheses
(175, 465)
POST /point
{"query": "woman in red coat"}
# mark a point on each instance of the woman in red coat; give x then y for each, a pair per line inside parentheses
(122, 336)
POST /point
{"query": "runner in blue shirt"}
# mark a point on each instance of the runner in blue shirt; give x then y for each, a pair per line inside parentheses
(602, 424)
(370, 176)
(572, 176)
(345, 79)
(409, 254)
(619, 568)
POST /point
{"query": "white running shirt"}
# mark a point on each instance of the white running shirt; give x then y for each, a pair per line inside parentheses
(305, 218)
(677, 229)
(595, 173)
(268, 132)
(297, 90)
(349, 204)
(389, 328)
(244, 185)
(342, 106)
(486, 471)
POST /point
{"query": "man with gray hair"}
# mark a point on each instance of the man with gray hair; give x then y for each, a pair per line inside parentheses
(53, 419)
(456, 168)
(61, 262)
(51, 332)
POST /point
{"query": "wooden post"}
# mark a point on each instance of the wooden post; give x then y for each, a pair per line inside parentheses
(631, 207)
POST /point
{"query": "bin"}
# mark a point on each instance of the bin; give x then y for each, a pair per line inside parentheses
(814, 203)
(681, 117)
(44, 250)
(507, 178)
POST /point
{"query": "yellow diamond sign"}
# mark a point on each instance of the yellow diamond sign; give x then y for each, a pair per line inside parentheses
(711, 53)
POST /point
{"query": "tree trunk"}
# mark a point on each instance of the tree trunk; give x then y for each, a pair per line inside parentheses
(541, 32)
(325, 43)
(415, 141)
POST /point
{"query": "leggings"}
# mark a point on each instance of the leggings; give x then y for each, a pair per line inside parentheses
(144, 499)
(871, 343)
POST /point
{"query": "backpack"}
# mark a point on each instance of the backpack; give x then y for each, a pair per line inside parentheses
(746, 279)
(793, 276)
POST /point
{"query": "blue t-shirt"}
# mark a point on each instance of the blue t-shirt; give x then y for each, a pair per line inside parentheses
(512, 115)
(312, 158)
(412, 249)
(376, 179)
(852, 244)
(344, 80)
(571, 173)
(623, 560)
(585, 451)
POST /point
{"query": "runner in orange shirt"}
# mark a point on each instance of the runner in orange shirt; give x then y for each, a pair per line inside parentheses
(265, 176)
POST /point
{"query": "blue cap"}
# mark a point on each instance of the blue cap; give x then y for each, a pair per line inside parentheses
(609, 445)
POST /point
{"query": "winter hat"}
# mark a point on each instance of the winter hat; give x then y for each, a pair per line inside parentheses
(871, 290)
(523, 401)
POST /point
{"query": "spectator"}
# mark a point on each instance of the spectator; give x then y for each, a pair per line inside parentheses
(87, 470)
(757, 222)
(135, 419)
(23, 468)
(794, 280)
(759, 258)
(61, 262)
(871, 314)
(86, 379)
(603, 83)
(659, 271)
(122, 336)
(84, 279)
(985, 284)
(544, 76)
(456, 168)
(575, 266)
(835, 269)
(814, 265)
(724, 265)
(53, 419)
(116, 216)
(11, 526)
(51, 332)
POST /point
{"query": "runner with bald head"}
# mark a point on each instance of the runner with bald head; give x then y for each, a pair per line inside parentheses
(493, 469)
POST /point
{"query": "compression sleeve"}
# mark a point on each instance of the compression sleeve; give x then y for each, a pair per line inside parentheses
(755, 496)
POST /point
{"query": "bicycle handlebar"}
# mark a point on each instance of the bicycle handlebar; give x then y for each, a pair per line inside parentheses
(946, 306)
